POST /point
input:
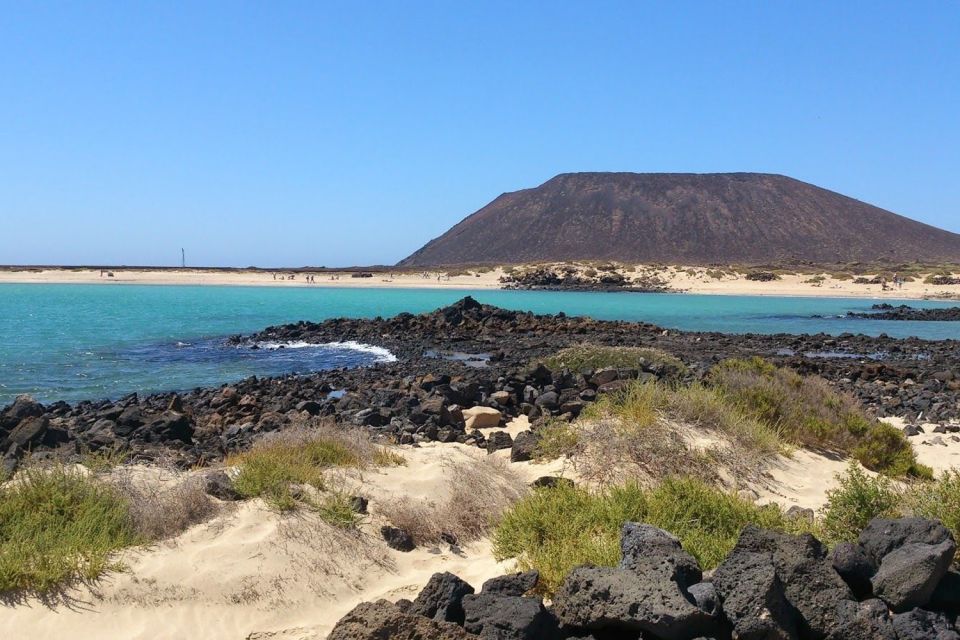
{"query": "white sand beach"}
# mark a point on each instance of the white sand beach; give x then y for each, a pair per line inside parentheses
(695, 280)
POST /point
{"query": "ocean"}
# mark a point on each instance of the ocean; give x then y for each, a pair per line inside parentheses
(76, 342)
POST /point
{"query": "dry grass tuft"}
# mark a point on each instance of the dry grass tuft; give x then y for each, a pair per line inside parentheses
(807, 411)
(481, 491)
(279, 463)
(651, 430)
(163, 507)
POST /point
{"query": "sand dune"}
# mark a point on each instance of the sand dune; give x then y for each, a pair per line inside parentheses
(253, 574)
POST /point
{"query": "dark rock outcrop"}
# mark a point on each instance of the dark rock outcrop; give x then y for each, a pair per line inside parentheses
(500, 617)
(442, 598)
(382, 619)
(398, 539)
(516, 584)
(771, 586)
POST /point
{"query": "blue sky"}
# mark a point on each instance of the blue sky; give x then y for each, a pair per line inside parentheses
(283, 133)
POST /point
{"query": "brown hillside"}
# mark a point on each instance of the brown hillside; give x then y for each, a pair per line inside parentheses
(683, 218)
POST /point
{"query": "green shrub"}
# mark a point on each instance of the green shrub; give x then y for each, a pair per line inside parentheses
(58, 525)
(808, 412)
(857, 499)
(335, 509)
(590, 356)
(271, 469)
(557, 438)
(884, 449)
(556, 529)
(939, 500)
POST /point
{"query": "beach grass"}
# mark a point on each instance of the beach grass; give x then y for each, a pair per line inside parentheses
(856, 500)
(278, 467)
(859, 497)
(556, 529)
(807, 411)
(483, 491)
(273, 469)
(57, 525)
(590, 356)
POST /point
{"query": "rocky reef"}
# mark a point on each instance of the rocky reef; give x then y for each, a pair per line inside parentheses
(886, 311)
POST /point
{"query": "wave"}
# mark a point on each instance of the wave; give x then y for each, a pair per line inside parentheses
(382, 354)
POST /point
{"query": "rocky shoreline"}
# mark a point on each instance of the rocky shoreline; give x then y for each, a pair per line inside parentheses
(451, 361)
(894, 583)
(885, 311)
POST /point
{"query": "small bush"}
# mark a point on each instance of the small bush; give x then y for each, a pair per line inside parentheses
(883, 448)
(808, 412)
(275, 465)
(939, 500)
(335, 509)
(158, 511)
(556, 529)
(271, 468)
(857, 499)
(557, 438)
(58, 525)
(481, 491)
(588, 356)
(638, 429)
(762, 276)
(383, 457)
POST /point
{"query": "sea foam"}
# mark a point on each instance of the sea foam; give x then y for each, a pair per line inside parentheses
(382, 354)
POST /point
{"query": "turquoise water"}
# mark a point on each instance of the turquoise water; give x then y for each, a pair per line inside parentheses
(76, 342)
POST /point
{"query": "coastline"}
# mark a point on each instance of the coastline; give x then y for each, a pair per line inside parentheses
(680, 280)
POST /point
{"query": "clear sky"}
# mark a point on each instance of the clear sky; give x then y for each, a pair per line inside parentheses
(335, 133)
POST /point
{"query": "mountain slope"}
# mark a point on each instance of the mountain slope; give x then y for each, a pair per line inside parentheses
(683, 218)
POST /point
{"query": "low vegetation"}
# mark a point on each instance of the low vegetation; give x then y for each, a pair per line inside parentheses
(857, 499)
(742, 413)
(806, 411)
(283, 467)
(57, 525)
(860, 497)
(651, 429)
(556, 529)
(161, 509)
(589, 356)
(480, 492)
